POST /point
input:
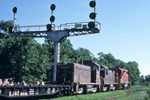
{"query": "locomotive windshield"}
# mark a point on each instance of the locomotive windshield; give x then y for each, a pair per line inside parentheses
(102, 72)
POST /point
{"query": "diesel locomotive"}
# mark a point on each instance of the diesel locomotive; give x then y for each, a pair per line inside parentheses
(91, 77)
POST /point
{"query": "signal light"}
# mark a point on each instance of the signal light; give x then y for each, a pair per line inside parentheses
(15, 10)
(53, 7)
(92, 4)
(91, 25)
(49, 27)
(52, 18)
(92, 15)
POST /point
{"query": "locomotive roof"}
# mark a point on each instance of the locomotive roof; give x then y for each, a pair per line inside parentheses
(90, 62)
(121, 69)
(66, 63)
(104, 66)
(85, 63)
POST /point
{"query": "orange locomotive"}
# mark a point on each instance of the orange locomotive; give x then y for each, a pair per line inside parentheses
(122, 78)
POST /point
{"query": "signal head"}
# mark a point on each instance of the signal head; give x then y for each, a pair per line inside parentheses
(92, 15)
(53, 7)
(49, 27)
(15, 10)
(52, 18)
(92, 4)
(91, 25)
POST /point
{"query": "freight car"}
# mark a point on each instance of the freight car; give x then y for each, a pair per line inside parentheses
(76, 78)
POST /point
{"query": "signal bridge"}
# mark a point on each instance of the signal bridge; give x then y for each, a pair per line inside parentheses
(57, 33)
(73, 29)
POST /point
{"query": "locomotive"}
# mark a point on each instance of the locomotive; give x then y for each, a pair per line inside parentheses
(72, 78)
(91, 77)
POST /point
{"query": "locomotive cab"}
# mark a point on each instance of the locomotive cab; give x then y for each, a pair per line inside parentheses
(64, 73)
(122, 78)
(107, 77)
(95, 70)
(103, 71)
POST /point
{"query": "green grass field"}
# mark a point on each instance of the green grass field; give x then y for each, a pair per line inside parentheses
(129, 94)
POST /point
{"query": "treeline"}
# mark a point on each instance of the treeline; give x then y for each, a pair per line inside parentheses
(145, 80)
(26, 59)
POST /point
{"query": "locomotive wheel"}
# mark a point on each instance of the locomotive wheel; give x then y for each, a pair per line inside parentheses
(114, 88)
(61, 94)
(104, 88)
(123, 87)
(70, 93)
(85, 90)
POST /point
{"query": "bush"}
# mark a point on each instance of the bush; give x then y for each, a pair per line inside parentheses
(148, 91)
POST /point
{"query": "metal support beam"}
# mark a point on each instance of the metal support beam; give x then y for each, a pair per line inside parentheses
(55, 60)
(58, 56)
(57, 37)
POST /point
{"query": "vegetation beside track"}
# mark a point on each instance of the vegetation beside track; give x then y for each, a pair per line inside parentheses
(129, 94)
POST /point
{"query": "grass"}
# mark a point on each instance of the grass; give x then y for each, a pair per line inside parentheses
(130, 94)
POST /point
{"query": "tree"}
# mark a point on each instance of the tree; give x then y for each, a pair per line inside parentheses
(110, 61)
(4, 25)
(22, 58)
(134, 72)
(107, 59)
(66, 51)
(85, 54)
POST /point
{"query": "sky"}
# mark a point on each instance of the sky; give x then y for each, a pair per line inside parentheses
(125, 24)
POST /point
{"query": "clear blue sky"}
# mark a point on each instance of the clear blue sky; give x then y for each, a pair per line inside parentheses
(125, 30)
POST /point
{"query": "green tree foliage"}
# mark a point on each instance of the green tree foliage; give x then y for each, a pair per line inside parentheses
(4, 26)
(23, 59)
(107, 59)
(145, 80)
(66, 51)
(134, 72)
(142, 80)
